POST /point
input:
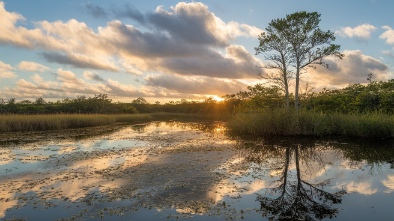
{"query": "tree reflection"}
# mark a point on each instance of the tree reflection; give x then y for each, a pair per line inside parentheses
(292, 197)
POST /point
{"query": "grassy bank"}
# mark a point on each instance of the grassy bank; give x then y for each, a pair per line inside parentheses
(14, 123)
(306, 123)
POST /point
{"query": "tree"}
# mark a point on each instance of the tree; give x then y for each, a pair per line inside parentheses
(139, 100)
(11, 101)
(299, 199)
(25, 102)
(277, 51)
(290, 195)
(299, 37)
(40, 101)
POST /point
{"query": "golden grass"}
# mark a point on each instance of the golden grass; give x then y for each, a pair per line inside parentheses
(308, 123)
(13, 123)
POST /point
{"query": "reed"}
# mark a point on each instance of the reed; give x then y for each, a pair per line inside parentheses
(307, 123)
(13, 123)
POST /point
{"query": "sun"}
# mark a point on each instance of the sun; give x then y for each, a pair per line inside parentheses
(218, 99)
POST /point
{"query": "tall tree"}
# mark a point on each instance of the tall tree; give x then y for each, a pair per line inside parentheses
(303, 41)
(276, 51)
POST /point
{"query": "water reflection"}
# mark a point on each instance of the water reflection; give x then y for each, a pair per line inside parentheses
(310, 178)
(171, 170)
(158, 165)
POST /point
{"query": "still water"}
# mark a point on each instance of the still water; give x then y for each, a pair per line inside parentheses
(195, 171)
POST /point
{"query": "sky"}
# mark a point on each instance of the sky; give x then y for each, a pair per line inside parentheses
(172, 50)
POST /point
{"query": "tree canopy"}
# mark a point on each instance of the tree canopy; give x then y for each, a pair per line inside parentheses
(295, 43)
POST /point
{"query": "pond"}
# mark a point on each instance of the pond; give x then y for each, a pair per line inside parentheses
(194, 171)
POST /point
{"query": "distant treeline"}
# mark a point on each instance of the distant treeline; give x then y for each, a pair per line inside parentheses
(101, 104)
(355, 98)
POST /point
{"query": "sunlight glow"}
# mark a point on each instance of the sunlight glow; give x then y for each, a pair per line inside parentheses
(218, 99)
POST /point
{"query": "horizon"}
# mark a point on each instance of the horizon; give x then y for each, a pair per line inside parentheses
(173, 51)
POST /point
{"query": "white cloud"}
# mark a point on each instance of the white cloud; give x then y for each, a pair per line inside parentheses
(389, 183)
(182, 34)
(388, 35)
(194, 23)
(353, 68)
(6, 71)
(364, 188)
(32, 66)
(361, 32)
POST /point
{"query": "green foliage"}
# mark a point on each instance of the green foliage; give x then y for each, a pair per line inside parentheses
(356, 98)
(354, 111)
(99, 104)
(298, 43)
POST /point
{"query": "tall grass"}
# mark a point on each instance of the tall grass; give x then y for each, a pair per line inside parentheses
(282, 122)
(13, 123)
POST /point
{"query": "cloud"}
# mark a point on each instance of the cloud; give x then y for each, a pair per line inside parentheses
(364, 188)
(195, 85)
(92, 76)
(68, 84)
(353, 68)
(32, 66)
(128, 11)
(79, 61)
(195, 24)
(361, 32)
(118, 12)
(388, 35)
(186, 43)
(9, 34)
(6, 71)
(389, 183)
(236, 63)
(96, 11)
(388, 53)
(172, 41)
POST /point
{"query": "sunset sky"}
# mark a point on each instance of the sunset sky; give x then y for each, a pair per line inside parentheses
(171, 50)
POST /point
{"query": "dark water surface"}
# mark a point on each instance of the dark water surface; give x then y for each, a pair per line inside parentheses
(194, 171)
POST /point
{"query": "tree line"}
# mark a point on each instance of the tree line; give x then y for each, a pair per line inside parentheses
(102, 104)
(98, 104)
(355, 98)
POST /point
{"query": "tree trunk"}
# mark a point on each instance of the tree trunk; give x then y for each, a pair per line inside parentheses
(286, 92)
(297, 88)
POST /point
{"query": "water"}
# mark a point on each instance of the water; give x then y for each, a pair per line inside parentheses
(194, 171)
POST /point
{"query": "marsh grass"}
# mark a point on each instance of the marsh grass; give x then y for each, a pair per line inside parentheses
(14, 123)
(307, 123)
